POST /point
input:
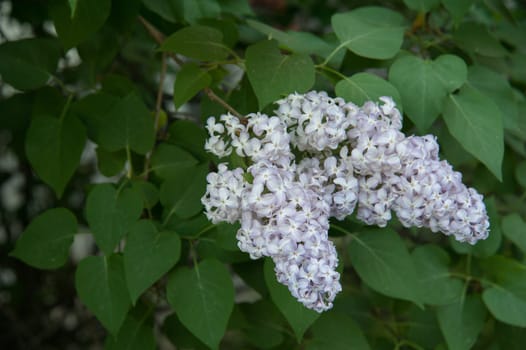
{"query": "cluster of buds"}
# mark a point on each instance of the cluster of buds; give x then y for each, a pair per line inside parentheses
(320, 157)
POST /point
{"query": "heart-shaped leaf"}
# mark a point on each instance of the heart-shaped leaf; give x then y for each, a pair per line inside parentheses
(274, 75)
(110, 214)
(148, 255)
(101, 287)
(203, 298)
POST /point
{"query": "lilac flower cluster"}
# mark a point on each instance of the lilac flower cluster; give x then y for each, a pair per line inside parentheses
(320, 157)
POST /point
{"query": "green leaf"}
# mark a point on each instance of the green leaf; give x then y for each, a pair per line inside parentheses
(189, 81)
(110, 214)
(181, 194)
(423, 328)
(461, 322)
(514, 228)
(299, 317)
(180, 336)
(169, 161)
(274, 75)
(196, 9)
(451, 70)
(148, 255)
(166, 9)
(476, 123)
(373, 32)
(475, 38)
(45, 242)
(54, 147)
(236, 7)
(498, 89)
(299, 42)
(506, 273)
(72, 7)
(520, 173)
(127, 124)
(190, 137)
(199, 42)
(364, 87)
(28, 63)
(505, 306)
(203, 298)
(117, 122)
(110, 163)
(100, 284)
(263, 324)
(457, 8)
(506, 297)
(148, 191)
(136, 332)
(244, 99)
(382, 261)
(336, 331)
(424, 84)
(421, 5)
(436, 284)
(75, 26)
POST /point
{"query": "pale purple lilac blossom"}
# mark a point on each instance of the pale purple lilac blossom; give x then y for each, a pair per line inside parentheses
(322, 157)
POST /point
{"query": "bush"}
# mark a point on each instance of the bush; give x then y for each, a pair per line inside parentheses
(122, 191)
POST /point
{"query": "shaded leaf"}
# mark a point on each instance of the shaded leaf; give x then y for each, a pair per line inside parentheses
(477, 124)
(148, 255)
(436, 284)
(363, 87)
(421, 5)
(189, 81)
(136, 332)
(475, 38)
(101, 287)
(373, 32)
(498, 89)
(199, 42)
(110, 163)
(514, 228)
(181, 194)
(28, 63)
(382, 261)
(76, 26)
(461, 322)
(54, 147)
(169, 161)
(457, 8)
(46, 241)
(110, 214)
(190, 137)
(203, 298)
(336, 331)
(299, 317)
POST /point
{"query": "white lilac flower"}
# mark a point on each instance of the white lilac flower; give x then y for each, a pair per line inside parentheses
(322, 157)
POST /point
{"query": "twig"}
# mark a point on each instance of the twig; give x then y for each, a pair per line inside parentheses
(212, 96)
(159, 38)
(158, 109)
(159, 100)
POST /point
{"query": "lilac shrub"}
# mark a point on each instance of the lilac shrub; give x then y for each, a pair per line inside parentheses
(322, 157)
